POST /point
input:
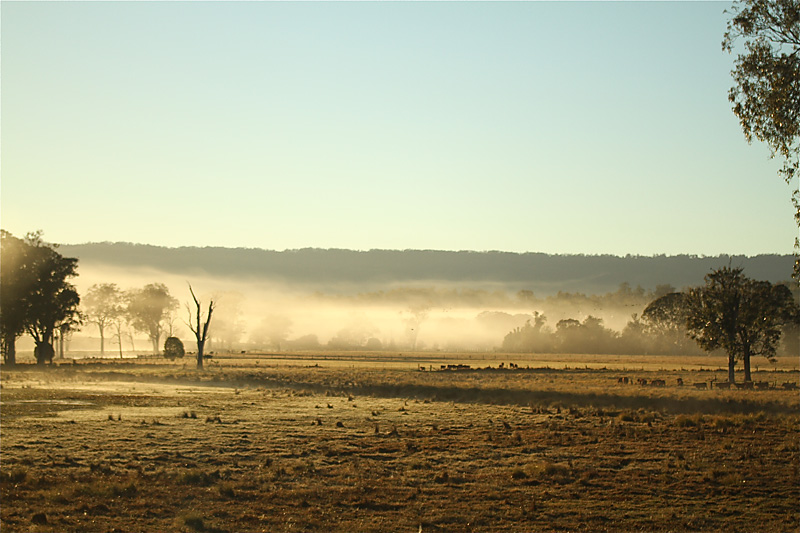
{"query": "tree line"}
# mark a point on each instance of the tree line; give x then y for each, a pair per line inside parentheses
(731, 312)
(735, 314)
(38, 298)
(320, 269)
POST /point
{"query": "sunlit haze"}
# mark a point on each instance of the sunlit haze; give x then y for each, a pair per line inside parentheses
(523, 126)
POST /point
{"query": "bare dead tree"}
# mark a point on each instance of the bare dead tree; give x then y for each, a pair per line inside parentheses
(197, 326)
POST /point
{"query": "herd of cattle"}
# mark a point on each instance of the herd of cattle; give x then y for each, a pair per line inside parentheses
(656, 382)
(703, 385)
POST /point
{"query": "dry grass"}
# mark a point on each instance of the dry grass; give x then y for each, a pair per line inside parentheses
(249, 447)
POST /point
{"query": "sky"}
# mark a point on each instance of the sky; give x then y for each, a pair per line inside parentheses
(556, 127)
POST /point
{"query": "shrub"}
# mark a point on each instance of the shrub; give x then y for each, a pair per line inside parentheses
(683, 421)
(173, 347)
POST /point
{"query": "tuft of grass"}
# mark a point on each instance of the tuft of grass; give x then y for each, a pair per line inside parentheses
(227, 490)
(126, 491)
(548, 470)
(683, 421)
(193, 520)
(106, 490)
(626, 416)
(15, 476)
(518, 473)
(201, 479)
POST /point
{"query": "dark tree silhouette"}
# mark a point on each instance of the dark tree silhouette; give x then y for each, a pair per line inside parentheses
(741, 316)
(36, 294)
(173, 347)
(664, 322)
(198, 327)
(54, 303)
(17, 281)
(531, 338)
(149, 310)
(766, 94)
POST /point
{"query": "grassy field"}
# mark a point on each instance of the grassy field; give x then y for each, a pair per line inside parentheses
(365, 443)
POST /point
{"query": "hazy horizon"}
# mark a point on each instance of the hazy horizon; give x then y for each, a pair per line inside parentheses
(432, 300)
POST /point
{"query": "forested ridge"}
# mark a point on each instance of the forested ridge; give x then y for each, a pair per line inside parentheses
(540, 272)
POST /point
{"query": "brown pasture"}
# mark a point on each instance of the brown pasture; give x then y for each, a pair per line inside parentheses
(369, 444)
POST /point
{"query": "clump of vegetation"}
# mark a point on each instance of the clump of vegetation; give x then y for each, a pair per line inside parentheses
(173, 348)
(105, 490)
(14, 476)
(193, 520)
(695, 420)
(201, 479)
(227, 490)
(544, 470)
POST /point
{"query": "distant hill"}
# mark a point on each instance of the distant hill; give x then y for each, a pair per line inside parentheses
(348, 269)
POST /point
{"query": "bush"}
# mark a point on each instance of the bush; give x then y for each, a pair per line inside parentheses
(173, 347)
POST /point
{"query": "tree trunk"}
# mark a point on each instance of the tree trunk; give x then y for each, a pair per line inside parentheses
(200, 345)
(731, 367)
(102, 341)
(44, 352)
(10, 351)
(746, 360)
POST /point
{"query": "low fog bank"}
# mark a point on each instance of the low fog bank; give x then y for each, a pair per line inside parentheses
(265, 315)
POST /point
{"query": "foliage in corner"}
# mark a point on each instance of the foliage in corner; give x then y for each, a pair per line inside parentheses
(766, 94)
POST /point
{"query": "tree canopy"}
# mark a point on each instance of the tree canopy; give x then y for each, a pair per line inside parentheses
(103, 305)
(766, 94)
(149, 310)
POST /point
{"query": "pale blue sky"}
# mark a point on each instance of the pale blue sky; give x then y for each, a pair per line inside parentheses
(524, 126)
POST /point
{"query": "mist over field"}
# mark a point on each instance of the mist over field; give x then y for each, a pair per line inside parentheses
(390, 300)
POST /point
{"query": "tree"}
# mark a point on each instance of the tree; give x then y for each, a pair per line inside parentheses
(36, 295)
(198, 327)
(121, 323)
(103, 304)
(17, 281)
(589, 336)
(664, 321)
(150, 309)
(531, 338)
(766, 94)
(741, 316)
(418, 314)
(173, 347)
(54, 303)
